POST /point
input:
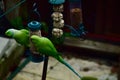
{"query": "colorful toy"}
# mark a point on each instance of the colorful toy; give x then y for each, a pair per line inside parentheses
(34, 29)
(57, 16)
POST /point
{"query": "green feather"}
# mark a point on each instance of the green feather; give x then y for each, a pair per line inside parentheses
(21, 36)
(46, 47)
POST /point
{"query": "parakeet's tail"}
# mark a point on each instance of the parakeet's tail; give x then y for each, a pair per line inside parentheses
(60, 59)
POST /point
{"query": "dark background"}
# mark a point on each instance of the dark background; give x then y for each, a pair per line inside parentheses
(100, 17)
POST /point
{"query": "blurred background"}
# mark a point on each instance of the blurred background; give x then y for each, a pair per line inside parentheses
(99, 46)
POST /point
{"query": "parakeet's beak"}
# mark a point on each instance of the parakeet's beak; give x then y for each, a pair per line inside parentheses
(9, 33)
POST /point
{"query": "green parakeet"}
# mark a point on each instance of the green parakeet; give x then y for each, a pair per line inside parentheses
(46, 47)
(21, 36)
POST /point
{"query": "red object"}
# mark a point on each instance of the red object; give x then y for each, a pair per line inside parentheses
(106, 38)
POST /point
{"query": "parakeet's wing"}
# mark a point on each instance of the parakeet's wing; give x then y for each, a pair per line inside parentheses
(45, 46)
(24, 31)
(22, 37)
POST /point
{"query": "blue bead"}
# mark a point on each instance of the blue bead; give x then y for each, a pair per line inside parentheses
(34, 25)
(56, 2)
(36, 59)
